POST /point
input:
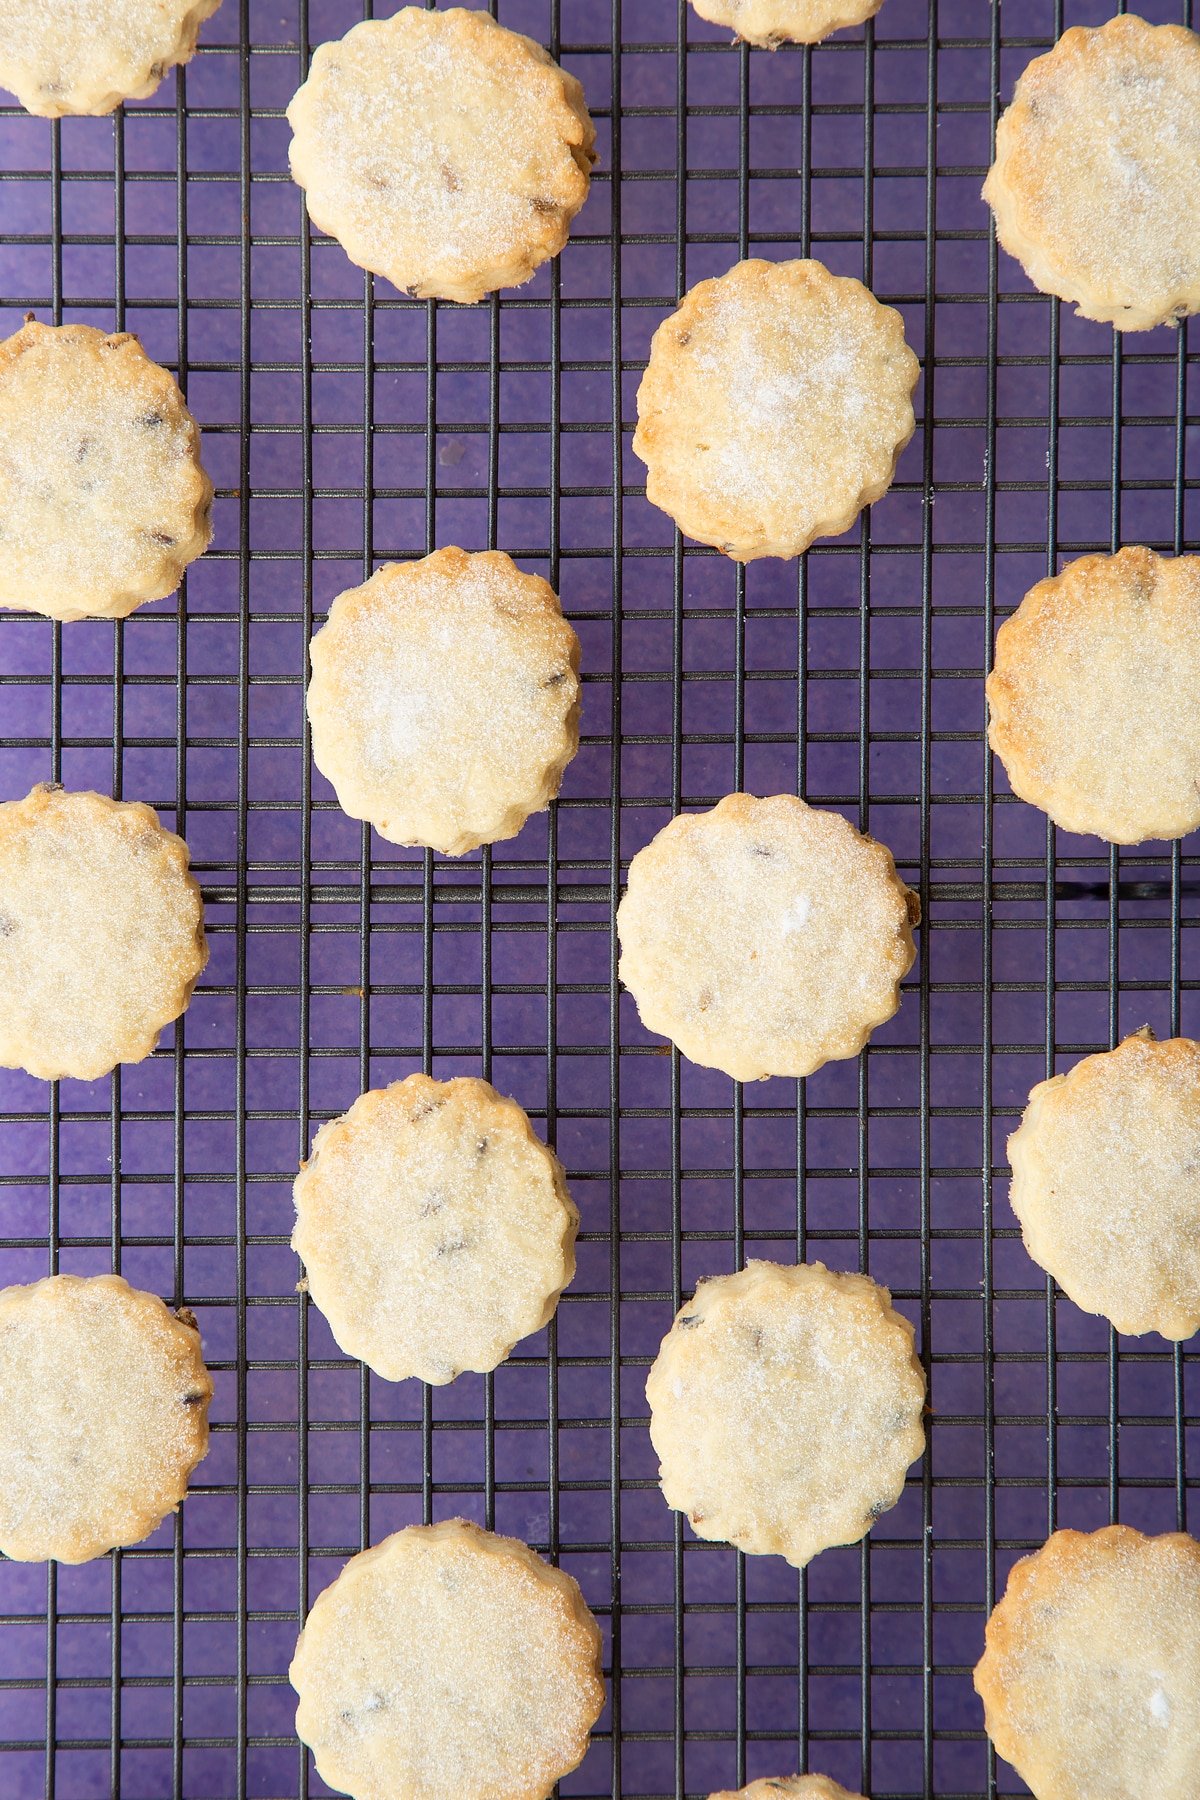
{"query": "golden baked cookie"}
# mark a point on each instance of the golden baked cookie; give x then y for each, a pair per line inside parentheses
(1094, 696)
(770, 23)
(442, 151)
(1096, 182)
(86, 56)
(792, 1787)
(774, 407)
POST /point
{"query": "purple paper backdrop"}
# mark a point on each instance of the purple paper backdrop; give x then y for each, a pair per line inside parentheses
(854, 677)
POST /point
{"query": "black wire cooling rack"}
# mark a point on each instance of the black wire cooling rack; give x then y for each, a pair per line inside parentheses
(345, 426)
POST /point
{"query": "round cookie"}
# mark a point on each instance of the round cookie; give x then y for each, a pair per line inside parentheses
(1091, 1678)
(103, 502)
(765, 937)
(442, 151)
(444, 699)
(770, 23)
(1096, 182)
(447, 1660)
(1106, 1183)
(103, 1415)
(1094, 696)
(101, 932)
(785, 1407)
(436, 1230)
(774, 407)
(86, 56)
(798, 1787)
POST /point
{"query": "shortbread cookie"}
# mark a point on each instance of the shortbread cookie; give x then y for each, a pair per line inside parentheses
(86, 56)
(774, 407)
(442, 151)
(785, 1407)
(103, 502)
(797, 1787)
(1091, 1678)
(1096, 182)
(103, 1415)
(436, 1230)
(1095, 696)
(444, 699)
(770, 23)
(101, 932)
(1106, 1183)
(447, 1660)
(765, 937)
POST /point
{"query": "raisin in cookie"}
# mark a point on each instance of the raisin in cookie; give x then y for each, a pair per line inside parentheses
(86, 56)
(774, 407)
(444, 699)
(793, 1787)
(1096, 182)
(1094, 696)
(447, 1660)
(765, 937)
(103, 502)
(770, 23)
(442, 151)
(103, 1415)
(785, 1407)
(1091, 1678)
(101, 932)
(435, 1228)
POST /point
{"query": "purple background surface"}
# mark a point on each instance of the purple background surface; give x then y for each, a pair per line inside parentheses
(853, 677)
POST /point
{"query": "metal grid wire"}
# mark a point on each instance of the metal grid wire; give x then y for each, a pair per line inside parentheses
(345, 426)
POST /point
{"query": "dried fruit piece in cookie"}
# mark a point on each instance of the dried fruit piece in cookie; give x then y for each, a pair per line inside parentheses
(1106, 1183)
(1091, 1678)
(1095, 696)
(442, 151)
(86, 56)
(793, 1787)
(447, 1660)
(765, 937)
(101, 932)
(1096, 182)
(103, 1415)
(770, 23)
(444, 699)
(774, 407)
(436, 1230)
(785, 1407)
(103, 502)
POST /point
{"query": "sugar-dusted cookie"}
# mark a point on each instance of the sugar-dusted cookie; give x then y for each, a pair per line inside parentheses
(103, 1415)
(792, 1787)
(103, 502)
(1096, 182)
(766, 936)
(785, 1407)
(448, 1661)
(1094, 696)
(101, 932)
(86, 56)
(442, 151)
(774, 407)
(1091, 1678)
(444, 699)
(770, 23)
(436, 1230)
(1106, 1183)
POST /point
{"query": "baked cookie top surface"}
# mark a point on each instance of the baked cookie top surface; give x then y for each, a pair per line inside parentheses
(774, 406)
(765, 937)
(444, 699)
(103, 1415)
(447, 1660)
(442, 151)
(1096, 182)
(792, 1787)
(101, 932)
(436, 1229)
(86, 56)
(785, 1407)
(1094, 696)
(1090, 1681)
(1106, 1183)
(103, 501)
(770, 23)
